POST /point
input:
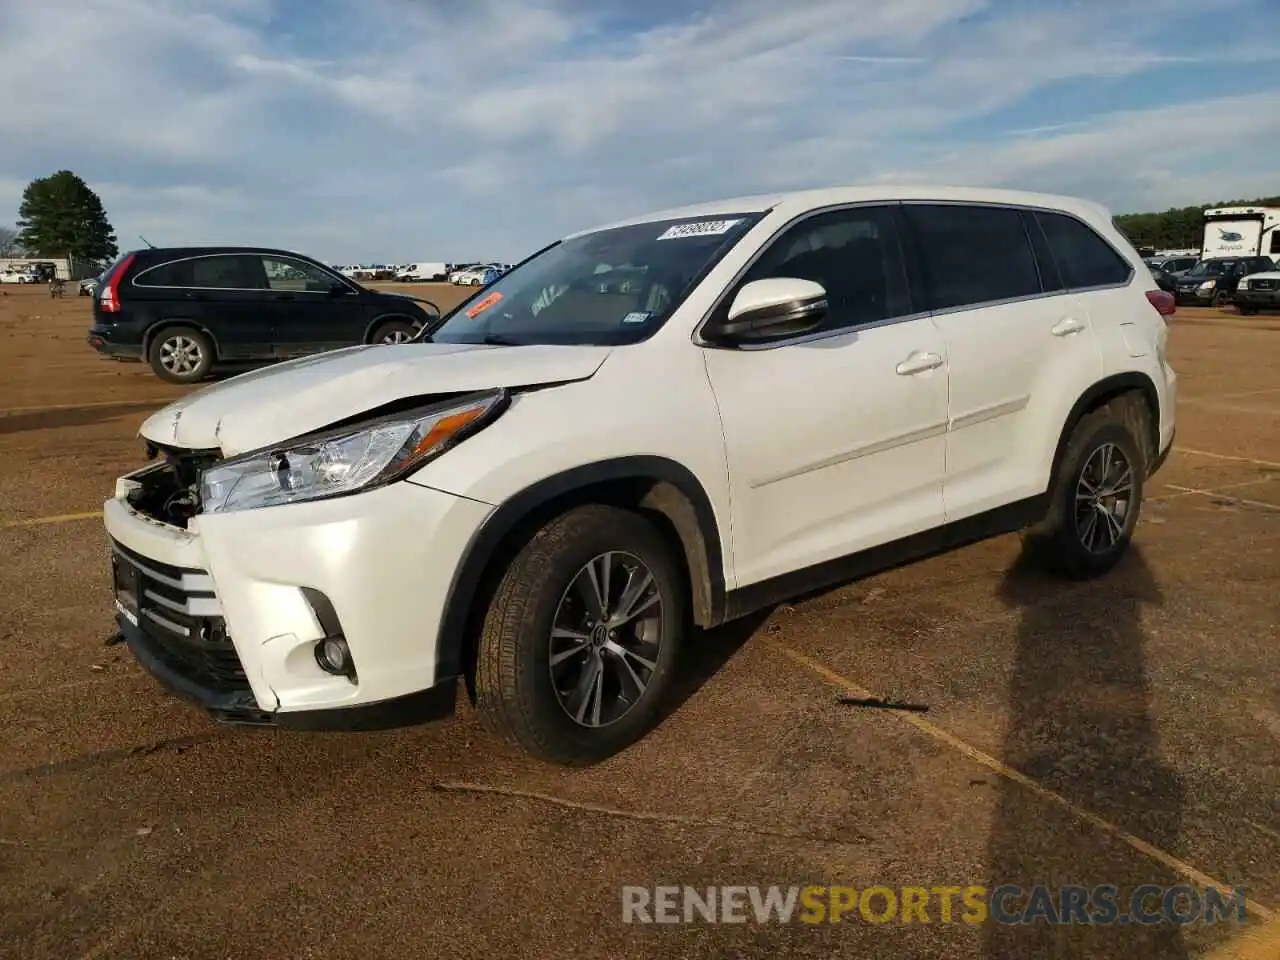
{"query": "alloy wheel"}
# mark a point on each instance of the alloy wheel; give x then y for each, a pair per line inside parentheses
(1104, 499)
(181, 355)
(605, 639)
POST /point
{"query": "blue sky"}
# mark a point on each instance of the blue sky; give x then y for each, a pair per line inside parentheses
(397, 130)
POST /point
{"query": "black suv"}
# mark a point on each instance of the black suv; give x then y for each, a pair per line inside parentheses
(185, 308)
(1214, 281)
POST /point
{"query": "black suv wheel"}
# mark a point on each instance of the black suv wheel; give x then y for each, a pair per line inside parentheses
(181, 355)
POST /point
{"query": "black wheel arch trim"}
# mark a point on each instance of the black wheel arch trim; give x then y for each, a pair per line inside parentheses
(674, 492)
(1102, 390)
(160, 325)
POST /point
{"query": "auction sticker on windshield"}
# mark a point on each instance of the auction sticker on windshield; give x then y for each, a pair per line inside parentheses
(484, 304)
(703, 228)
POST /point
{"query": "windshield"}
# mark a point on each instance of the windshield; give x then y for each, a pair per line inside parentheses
(609, 287)
(1210, 268)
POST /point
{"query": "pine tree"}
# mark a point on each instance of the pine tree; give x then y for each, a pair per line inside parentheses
(60, 216)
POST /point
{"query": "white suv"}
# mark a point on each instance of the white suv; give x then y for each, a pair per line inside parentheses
(668, 422)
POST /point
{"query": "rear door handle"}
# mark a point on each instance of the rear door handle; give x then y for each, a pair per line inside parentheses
(284, 296)
(1066, 326)
(919, 363)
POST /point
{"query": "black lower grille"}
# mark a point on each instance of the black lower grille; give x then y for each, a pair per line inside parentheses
(172, 609)
(1262, 284)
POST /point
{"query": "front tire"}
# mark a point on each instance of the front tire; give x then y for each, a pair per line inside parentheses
(580, 641)
(394, 331)
(181, 355)
(1247, 309)
(1096, 497)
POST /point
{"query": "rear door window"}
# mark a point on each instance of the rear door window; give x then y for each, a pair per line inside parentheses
(1083, 257)
(227, 272)
(973, 254)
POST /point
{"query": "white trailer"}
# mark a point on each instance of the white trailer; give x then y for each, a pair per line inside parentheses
(427, 270)
(1241, 232)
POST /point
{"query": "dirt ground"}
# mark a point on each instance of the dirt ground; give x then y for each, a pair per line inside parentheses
(1125, 731)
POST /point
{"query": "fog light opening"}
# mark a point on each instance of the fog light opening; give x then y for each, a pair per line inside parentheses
(334, 656)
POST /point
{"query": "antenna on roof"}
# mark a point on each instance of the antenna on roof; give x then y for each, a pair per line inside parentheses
(147, 242)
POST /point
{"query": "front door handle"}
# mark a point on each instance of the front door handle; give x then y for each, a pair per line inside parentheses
(919, 363)
(1066, 326)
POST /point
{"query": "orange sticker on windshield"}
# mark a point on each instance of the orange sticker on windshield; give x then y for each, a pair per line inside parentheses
(484, 304)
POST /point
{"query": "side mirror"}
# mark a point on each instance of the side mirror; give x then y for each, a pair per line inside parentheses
(778, 306)
(338, 289)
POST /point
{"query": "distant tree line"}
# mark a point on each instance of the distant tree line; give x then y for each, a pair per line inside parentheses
(1177, 228)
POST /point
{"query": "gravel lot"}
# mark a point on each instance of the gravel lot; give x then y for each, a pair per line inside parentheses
(1125, 731)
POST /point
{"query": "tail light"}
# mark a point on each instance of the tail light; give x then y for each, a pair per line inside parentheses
(109, 301)
(1166, 303)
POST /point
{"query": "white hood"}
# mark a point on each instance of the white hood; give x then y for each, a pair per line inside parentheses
(283, 401)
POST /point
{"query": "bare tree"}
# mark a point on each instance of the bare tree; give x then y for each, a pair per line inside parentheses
(8, 242)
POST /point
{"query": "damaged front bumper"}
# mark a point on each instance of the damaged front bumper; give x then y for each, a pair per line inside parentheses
(227, 611)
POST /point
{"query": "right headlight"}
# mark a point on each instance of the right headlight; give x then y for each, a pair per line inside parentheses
(1244, 285)
(345, 460)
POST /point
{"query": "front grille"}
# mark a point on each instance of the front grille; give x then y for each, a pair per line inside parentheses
(179, 615)
(1262, 284)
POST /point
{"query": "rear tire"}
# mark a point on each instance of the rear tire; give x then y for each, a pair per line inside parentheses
(181, 355)
(394, 331)
(1096, 497)
(569, 679)
(1247, 309)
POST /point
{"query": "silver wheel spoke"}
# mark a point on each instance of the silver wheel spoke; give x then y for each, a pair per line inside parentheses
(620, 654)
(1122, 485)
(1091, 529)
(1115, 528)
(597, 674)
(591, 590)
(587, 695)
(577, 643)
(634, 598)
(1102, 500)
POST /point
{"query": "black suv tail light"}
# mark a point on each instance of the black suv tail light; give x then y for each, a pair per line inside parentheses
(109, 300)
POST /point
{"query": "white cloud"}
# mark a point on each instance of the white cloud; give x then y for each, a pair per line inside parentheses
(396, 128)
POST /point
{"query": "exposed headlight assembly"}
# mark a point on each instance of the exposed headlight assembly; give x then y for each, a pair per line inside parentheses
(1207, 285)
(347, 459)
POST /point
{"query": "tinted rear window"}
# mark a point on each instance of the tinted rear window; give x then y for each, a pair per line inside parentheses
(174, 274)
(973, 254)
(1083, 257)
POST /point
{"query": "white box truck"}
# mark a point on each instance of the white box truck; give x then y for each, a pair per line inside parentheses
(424, 272)
(1241, 232)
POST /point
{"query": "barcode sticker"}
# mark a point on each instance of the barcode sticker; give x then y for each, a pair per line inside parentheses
(703, 228)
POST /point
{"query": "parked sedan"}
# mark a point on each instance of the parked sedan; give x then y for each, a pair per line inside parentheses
(184, 309)
(1258, 291)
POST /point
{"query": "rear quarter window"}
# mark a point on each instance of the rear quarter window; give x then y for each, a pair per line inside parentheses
(174, 274)
(1084, 258)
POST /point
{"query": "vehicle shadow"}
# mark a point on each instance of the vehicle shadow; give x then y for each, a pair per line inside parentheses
(1080, 723)
(705, 655)
(74, 416)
